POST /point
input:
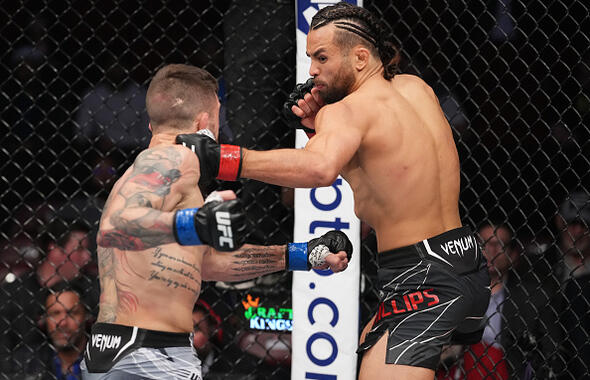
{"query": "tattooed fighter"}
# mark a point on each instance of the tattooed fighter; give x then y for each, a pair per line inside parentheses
(158, 241)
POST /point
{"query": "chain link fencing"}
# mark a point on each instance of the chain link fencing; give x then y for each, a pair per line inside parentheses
(513, 79)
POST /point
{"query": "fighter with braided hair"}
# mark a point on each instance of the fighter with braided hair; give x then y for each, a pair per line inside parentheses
(386, 134)
(368, 30)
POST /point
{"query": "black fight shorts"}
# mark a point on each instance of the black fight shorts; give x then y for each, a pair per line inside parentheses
(117, 352)
(432, 293)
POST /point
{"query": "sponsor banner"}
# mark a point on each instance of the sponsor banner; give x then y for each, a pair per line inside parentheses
(263, 314)
(325, 304)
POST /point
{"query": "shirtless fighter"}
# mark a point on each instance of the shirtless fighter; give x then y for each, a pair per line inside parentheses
(151, 243)
(388, 137)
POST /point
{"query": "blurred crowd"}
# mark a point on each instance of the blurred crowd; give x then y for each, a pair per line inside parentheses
(73, 105)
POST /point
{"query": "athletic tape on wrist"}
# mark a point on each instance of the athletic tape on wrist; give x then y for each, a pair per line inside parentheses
(297, 256)
(230, 162)
(318, 255)
(184, 227)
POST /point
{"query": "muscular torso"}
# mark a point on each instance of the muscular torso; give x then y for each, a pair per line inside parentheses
(405, 174)
(155, 288)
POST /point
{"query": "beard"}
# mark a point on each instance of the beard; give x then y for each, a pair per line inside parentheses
(342, 85)
(63, 342)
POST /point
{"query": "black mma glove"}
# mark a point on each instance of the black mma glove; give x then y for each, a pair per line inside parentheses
(304, 256)
(221, 225)
(299, 92)
(216, 161)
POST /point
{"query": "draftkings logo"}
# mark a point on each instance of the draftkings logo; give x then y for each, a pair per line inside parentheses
(267, 318)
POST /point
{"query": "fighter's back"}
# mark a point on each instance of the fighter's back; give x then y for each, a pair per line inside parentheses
(405, 174)
(154, 288)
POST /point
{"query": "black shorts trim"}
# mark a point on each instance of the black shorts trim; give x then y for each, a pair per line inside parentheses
(457, 248)
(109, 343)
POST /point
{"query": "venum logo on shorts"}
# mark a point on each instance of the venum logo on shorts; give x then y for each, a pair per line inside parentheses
(224, 226)
(458, 246)
(103, 342)
(409, 302)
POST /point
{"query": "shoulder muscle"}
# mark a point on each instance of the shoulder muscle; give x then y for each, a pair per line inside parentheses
(153, 175)
(413, 87)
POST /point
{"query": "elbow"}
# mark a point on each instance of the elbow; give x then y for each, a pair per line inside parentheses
(118, 240)
(208, 274)
(214, 268)
(323, 175)
(109, 239)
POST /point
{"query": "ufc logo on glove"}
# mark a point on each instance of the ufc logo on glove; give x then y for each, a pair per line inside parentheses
(224, 225)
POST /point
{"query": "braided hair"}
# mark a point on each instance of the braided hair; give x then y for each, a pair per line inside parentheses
(366, 27)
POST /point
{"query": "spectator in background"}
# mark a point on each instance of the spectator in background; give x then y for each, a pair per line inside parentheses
(519, 337)
(273, 348)
(207, 326)
(487, 357)
(19, 255)
(65, 257)
(65, 322)
(575, 319)
(221, 358)
(241, 352)
(572, 222)
(21, 301)
(270, 350)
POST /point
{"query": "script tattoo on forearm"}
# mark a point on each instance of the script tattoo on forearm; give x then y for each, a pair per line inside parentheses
(175, 272)
(253, 261)
(139, 224)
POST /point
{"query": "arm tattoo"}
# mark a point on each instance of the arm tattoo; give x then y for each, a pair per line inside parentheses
(249, 261)
(140, 224)
(156, 170)
(145, 230)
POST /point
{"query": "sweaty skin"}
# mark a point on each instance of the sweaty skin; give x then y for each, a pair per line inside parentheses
(389, 139)
(405, 173)
(146, 278)
(391, 142)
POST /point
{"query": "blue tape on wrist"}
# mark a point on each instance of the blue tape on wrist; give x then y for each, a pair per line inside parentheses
(297, 256)
(184, 226)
